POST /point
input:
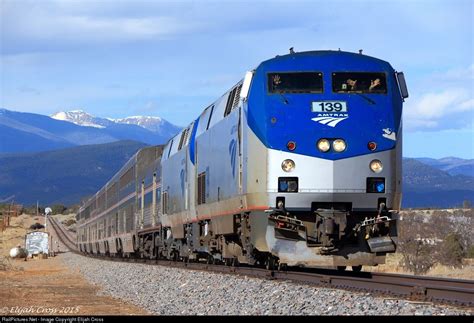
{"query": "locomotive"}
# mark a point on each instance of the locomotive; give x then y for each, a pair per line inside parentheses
(298, 164)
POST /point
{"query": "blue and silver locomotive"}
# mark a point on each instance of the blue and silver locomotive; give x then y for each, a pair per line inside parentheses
(297, 164)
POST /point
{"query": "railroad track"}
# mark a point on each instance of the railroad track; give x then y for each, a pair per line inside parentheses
(65, 237)
(417, 288)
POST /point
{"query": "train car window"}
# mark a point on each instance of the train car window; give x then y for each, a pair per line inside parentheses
(297, 82)
(127, 177)
(359, 82)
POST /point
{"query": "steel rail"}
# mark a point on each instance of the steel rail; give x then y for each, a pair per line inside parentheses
(63, 235)
(456, 292)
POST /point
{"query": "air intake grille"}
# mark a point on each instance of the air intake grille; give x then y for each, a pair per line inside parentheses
(237, 97)
(201, 188)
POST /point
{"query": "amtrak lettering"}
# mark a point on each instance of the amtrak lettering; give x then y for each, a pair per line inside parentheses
(330, 119)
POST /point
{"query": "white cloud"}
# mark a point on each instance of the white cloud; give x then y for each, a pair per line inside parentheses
(448, 109)
(448, 105)
(32, 26)
(105, 29)
(436, 105)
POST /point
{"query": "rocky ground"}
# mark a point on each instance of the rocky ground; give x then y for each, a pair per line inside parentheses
(173, 291)
(95, 287)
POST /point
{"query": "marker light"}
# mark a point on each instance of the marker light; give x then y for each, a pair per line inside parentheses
(323, 145)
(288, 165)
(380, 187)
(291, 145)
(376, 166)
(372, 145)
(339, 145)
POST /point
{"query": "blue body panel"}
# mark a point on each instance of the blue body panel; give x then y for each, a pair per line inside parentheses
(365, 121)
(192, 142)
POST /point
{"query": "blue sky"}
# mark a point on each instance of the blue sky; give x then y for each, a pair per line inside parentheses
(171, 59)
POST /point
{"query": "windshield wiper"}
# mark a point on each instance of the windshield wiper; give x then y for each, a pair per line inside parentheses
(366, 98)
(285, 101)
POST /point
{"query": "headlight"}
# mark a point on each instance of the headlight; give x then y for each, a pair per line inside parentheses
(339, 145)
(376, 166)
(288, 165)
(323, 145)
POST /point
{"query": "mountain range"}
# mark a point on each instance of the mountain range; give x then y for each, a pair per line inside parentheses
(67, 156)
(452, 165)
(68, 175)
(427, 186)
(62, 176)
(30, 132)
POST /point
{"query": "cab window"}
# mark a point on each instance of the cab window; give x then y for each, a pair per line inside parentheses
(296, 82)
(356, 82)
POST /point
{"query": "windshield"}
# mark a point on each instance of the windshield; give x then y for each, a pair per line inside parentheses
(302, 82)
(355, 82)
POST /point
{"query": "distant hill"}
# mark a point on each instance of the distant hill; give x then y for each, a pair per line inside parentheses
(62, 176)
(427, 186)
(29, 132)
(68, 175)
(452, 165)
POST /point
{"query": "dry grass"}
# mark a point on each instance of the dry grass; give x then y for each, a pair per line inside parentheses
(5, 264)
(14, 235)
(392, 265)
(68, 220)
(65, 217)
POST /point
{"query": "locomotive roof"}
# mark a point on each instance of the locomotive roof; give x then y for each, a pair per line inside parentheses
(326, 55)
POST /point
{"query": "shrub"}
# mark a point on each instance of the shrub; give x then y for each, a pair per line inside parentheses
(452, 252)
(417, 257)
(69, 222)
(58, 209)
(470, 252)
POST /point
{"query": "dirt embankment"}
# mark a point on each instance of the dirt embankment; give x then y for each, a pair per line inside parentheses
(47, 286)
(14, 235)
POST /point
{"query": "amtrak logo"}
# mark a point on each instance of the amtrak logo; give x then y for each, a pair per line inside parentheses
(389, 134)
(330, 119)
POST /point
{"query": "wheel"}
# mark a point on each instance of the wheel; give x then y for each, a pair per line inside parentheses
(357, 269)
(271, 263)
(235, 262)
(210, 260)
(341, 268)
(174, 256)
(282, 267)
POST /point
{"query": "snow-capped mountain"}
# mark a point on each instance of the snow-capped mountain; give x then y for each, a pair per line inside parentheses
(82, 118)
(30, 132)
(154, 124)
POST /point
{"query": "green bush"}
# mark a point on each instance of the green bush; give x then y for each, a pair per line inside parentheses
(470, 252)
(58, 209)
(452, 252)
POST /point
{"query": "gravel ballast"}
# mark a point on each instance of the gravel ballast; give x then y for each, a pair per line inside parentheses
(174, 291)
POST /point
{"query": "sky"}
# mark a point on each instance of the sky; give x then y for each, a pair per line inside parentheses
(173, 58)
